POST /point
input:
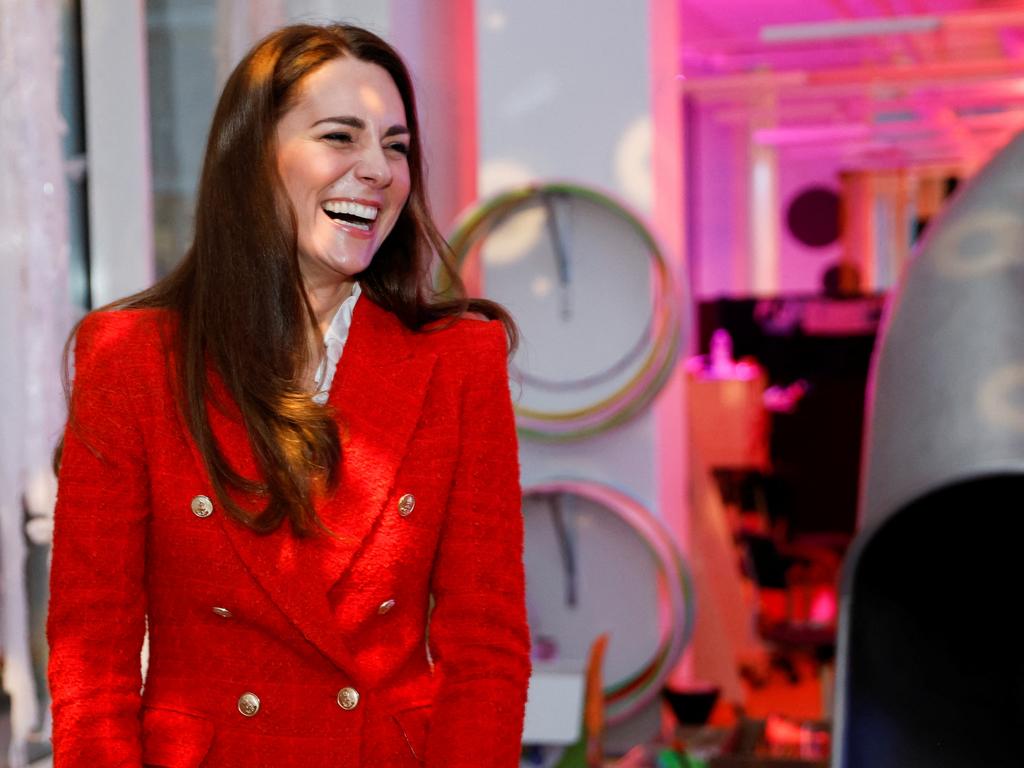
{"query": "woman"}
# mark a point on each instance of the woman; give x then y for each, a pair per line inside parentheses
(279, 520)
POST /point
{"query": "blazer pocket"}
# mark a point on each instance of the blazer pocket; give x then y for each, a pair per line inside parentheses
(174, 739)
(414, 723)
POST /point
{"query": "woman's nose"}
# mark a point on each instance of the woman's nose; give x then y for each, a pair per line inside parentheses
(373, 168)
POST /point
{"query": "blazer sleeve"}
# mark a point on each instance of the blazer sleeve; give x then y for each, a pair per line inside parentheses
(478, 634)
(96, 619)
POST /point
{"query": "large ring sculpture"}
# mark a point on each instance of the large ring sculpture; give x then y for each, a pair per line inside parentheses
(624, 697)
(579, 403)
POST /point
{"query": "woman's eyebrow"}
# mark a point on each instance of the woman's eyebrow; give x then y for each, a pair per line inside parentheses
(360, 124)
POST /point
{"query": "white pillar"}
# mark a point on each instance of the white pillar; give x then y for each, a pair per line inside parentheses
(34, 323)
(669, 220)
(567, 92)
(763, 194)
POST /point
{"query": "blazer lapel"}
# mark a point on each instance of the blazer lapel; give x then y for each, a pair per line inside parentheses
(377, 397)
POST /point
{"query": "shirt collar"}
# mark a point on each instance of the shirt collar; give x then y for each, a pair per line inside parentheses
(334, 341)
(337, 331)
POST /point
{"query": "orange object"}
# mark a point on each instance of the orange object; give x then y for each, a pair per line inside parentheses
(593, 707)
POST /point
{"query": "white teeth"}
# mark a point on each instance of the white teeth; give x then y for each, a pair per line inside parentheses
(368, 212)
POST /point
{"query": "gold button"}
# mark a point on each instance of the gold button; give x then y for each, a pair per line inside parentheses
(224, 613)
(386, 606)
(348, 698)
(248, 704)
(202, 506)
(406, 505)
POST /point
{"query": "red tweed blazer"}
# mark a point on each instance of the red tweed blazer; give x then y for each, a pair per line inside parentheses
(274, 650)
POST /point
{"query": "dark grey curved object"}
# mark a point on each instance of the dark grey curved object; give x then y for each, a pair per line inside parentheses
(930, 671)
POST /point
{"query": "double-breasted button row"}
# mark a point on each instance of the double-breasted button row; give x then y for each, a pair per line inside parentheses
(202, 506)
(249, 702)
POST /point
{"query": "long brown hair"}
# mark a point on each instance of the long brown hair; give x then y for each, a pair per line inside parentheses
(238, 295)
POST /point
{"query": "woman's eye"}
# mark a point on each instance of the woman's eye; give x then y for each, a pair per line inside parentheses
(342, 138)
(400, 147)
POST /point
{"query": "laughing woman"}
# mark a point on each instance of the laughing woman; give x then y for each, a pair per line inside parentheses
(287, 460)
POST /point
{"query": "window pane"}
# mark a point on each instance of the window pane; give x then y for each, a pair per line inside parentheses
(182, 96)
(73, 110)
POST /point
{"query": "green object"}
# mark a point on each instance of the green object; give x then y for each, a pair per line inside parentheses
(669, 758)
(574, 756)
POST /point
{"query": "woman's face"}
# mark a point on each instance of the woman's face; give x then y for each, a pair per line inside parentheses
(342, 156)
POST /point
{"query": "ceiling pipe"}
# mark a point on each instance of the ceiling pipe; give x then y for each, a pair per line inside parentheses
(919, 73)
(833, 30)
(960, 130)
(824, 101)
(881, 27)
(938, 72)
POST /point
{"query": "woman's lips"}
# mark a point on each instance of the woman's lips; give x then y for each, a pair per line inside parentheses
(353, 216)
(355, 230)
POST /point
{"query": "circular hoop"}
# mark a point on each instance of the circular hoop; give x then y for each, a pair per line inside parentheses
(654, 355)
(625, 697)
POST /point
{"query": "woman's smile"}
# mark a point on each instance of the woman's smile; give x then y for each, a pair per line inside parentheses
(354, 217)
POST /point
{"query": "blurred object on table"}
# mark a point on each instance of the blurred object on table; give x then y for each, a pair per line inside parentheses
(728, 423)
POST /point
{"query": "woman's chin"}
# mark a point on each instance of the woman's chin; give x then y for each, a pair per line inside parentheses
(330, 265)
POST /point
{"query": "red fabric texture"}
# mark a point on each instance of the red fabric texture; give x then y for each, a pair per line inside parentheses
(426, 414)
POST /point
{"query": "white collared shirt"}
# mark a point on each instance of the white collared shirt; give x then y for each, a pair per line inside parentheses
(334, 345)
